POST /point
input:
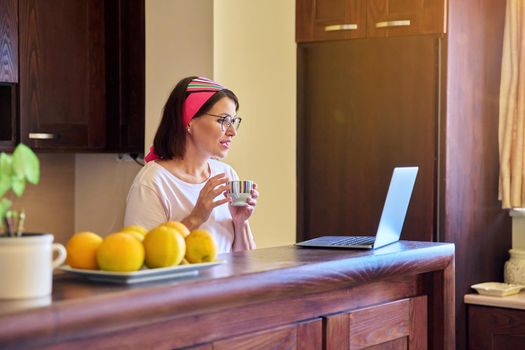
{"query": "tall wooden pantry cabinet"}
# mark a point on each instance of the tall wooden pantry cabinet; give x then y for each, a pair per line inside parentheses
(385, 83)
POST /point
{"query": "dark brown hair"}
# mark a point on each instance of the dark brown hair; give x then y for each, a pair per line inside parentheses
(170, 139)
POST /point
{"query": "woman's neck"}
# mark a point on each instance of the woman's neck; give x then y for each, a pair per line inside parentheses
(188, 169)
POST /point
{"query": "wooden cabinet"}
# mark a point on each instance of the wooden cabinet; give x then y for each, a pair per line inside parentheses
(320, 20)
(62, 74)
(276, 298)
(405, 17)
(125, 75)
(8, 109)
(8, 72)
(359, 118)
(367, 105)
(81, 75)
(8, 41)
(330, 20)
(301, 336)
(400, 324)
(493, 328)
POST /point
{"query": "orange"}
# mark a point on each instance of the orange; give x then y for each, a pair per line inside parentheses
(164, 246)
(82, 250)
(200, 247)
(179, 226)
(120, 252)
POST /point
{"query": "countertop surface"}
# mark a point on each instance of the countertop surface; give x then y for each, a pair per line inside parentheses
(516, 301)
(250, 277)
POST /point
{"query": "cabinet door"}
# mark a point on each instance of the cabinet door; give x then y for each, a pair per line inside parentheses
(125, 66)
(302, 336)
(318, 20)
(8, 41)
(493, 328)
(405, 17)
(398, 325)
(365, 107)
(62, 74)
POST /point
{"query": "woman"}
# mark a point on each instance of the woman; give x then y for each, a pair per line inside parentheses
(183, 180)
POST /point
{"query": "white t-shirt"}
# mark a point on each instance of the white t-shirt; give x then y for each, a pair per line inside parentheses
(157, 196)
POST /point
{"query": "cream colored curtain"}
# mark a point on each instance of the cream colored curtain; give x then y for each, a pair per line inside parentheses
(512, 108)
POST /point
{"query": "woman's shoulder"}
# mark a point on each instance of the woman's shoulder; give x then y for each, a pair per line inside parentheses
(150, 175)
(218, 167)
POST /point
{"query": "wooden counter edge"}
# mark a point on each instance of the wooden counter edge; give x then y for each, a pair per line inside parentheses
(123, 310)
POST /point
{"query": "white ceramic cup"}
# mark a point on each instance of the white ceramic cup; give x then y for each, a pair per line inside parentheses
(26, 265)
(240, 191)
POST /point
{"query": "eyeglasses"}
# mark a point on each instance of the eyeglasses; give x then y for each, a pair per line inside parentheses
(227, 121)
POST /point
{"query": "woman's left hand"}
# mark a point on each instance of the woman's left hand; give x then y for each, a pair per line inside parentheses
(242, 213)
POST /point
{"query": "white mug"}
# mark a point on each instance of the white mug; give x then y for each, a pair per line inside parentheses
(239, 191)
(26, 265)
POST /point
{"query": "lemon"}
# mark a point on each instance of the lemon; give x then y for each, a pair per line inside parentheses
(200, 247)
(82, 250)
(120, 252)
(164, 247)
(135, 234)
(136, 231)
(179, 226)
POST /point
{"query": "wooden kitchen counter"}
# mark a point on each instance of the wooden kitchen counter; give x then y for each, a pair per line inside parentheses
(283, 297)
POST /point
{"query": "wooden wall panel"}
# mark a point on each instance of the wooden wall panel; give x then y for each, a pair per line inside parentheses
(473, 218)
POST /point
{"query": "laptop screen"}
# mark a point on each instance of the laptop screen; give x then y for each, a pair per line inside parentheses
(396, 205)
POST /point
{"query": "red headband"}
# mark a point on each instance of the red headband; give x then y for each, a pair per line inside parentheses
(199, 91)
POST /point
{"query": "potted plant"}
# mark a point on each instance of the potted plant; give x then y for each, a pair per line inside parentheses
(26, 263)
(15, 170)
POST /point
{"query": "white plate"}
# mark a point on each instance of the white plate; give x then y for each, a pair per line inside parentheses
(497, 289)
(144, 275)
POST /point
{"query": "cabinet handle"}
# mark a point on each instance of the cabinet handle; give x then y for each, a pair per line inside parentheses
(42, 136)
(398, 23)
(336, 27)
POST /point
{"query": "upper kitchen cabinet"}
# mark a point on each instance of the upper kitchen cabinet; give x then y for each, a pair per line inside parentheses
(322, 20)
(125, 75)
(318, 20)
(8, 41)
(405, 17)
(8, 72)
(82, 75)
(62, 74)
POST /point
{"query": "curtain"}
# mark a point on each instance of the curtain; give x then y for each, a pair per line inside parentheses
(512, 108)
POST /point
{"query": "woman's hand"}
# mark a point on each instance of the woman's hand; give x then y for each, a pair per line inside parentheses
(240, 214)
(206, 201)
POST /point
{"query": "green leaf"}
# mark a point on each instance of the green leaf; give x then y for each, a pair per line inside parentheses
(19, 185)
(4, 205)
(25, 163)
(5, 173)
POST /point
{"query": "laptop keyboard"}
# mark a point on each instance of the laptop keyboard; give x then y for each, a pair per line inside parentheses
(349, 241)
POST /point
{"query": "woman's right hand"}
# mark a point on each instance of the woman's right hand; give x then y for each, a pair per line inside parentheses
(206, 202)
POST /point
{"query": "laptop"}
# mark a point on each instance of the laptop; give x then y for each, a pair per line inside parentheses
(392, 218)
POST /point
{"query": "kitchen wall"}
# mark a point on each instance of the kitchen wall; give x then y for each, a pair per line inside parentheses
(102, 182)
(255, 56)
(179, 43)
(50, 205)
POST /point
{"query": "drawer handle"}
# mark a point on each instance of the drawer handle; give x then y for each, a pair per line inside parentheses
(336, 27)
(42, 136)
(398, 23)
